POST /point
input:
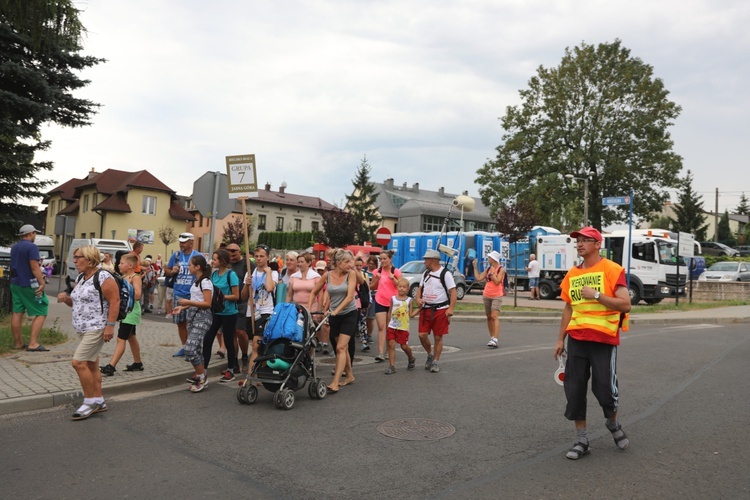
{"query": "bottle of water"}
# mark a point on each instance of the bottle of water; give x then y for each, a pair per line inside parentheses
(301, 325)
(34, 285)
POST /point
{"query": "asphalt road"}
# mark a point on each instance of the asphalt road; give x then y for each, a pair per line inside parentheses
(685, 403)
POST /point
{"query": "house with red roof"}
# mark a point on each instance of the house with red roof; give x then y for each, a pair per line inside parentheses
(118, 205)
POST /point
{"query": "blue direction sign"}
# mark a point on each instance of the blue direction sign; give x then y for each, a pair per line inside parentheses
(616, 200)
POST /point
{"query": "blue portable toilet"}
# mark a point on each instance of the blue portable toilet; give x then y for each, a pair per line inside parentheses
(428, 241)
(410, 246)
(395, 245)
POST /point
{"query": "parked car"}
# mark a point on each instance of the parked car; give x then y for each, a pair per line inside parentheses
(727, 271)
(715, 248)
(414, 270)
(743, 249)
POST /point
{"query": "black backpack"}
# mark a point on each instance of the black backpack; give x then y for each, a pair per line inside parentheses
(363, 291)
(127, 293)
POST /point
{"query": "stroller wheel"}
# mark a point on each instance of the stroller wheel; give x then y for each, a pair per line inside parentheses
(277, 399)
(241, 394)
(251, 394)
(287, 399)
(317, 389)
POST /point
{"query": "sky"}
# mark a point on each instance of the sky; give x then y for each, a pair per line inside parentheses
(312, 87)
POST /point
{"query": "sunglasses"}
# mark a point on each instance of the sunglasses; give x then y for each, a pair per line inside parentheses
(265, 248)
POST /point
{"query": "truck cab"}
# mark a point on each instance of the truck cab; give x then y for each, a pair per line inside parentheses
(656, 269)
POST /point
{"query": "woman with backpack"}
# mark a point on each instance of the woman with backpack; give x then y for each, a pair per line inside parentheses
(227, 282)
(95, 311)
(199, 319)
(492, 294)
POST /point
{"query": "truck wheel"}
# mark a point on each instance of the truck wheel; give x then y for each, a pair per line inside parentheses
(460, 292)
(545, 291)
(635, 294)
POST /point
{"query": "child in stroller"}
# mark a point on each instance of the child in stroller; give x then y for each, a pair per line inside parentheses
(287, 359)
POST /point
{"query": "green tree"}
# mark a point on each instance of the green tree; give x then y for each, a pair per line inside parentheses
(361, 203)
(39, 58)
(600, 114)
(725, 234)
(689, 210)
(167, 235)
(743, 208)
(662, 222)
(234, 230)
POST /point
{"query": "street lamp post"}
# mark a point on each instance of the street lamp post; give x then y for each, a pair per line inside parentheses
(585, 196)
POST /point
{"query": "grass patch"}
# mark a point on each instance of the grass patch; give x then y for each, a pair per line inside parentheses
(686, 306)
(50, 335)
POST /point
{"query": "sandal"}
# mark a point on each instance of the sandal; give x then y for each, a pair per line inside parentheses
(577, 451)
(621, 439)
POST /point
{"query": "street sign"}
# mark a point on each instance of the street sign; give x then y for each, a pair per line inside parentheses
(687, 245)
(616, 200)
(383, 236)
(203, 195)
(242, 175)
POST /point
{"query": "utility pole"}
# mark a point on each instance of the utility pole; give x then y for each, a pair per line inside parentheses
(716, 217)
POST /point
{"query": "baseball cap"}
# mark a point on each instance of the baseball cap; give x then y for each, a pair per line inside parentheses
(321, 264)
(185, 237)
(26, 229)
(494, 255)
(431, 254)
(587, 232)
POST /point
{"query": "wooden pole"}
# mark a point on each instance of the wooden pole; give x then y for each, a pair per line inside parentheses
(251, 293)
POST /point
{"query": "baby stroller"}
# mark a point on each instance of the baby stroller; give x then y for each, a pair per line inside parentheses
(286, 362)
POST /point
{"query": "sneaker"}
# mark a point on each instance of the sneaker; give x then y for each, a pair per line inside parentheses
(390, 370)
(179, 353)
(135, 367)
(365, 347)
(191, 380)
(410, 366)
(428, 363)
(151, 308)
(435, 367)
(236, 370)
(245, 365)
(107, 370)
(324, 345)
(199, 385)
(492, 343)
(379, 358)
(369, 339)
(168, 316)
(227, 377)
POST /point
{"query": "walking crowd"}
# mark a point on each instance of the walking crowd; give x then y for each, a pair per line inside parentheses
(230, 299)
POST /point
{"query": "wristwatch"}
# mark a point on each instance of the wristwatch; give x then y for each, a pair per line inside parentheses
(596, 296)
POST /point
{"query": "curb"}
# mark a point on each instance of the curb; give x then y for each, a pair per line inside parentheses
(52, 400)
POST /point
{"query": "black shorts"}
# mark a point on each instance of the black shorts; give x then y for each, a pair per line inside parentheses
(344, 323)
(380, 308)
(125, 331)
(260, 325)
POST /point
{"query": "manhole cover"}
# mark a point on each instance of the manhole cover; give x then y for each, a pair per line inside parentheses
(416, 429)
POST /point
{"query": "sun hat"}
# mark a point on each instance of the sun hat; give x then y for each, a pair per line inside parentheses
(431, 254)
(494, 255)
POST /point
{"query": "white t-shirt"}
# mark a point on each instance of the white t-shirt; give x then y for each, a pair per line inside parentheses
(262, 298)
(534, 269)
(432, 289)
(196, 291)
(90, 310)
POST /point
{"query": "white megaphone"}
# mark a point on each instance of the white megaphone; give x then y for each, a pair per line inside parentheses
(449, 251)
(465, 203)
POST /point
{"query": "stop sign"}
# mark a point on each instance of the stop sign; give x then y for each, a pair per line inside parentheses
(383, 236)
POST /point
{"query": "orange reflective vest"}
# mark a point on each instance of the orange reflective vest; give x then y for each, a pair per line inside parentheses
(591, 320)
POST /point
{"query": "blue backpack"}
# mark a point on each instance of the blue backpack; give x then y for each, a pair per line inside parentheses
(283, 324)
(127, 293)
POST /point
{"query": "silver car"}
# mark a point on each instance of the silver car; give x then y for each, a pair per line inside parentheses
(727, 271)
(414, 270)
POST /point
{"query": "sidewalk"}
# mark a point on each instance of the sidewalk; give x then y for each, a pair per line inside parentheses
(32, 381)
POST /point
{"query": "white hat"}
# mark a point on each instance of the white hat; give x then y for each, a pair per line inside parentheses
(494, 255)
(26, 229)
(186, 237)
(431, 254)
(321, 264)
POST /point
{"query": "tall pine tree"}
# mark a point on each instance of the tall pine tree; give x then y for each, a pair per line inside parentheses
(743, 208)
(689, 210)
(361, 203)
(725, 233)
(39, 58)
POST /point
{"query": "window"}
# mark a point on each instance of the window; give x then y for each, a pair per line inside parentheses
(96, 200)
(85, 203)
(149, 205)
(433, 223)
(298, 225)
(279, 223)
(92, 235)
(52, 208)
(262, 222)
(315, 225)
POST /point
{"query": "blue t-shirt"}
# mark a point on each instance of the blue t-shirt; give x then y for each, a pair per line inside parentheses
(21, 255)
(220, 282)
(184, 280)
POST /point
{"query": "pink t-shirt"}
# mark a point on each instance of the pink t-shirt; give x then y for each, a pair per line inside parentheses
(301, 289)
(386, 287)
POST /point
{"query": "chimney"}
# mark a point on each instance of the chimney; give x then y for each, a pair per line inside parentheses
(465, 193)
(268, 186)
(404, 186)
(415, 187)
(388, 184)
(282, 187)
(441, 191)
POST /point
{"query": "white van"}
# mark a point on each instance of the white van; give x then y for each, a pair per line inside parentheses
(111, 246)
(46, 249)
